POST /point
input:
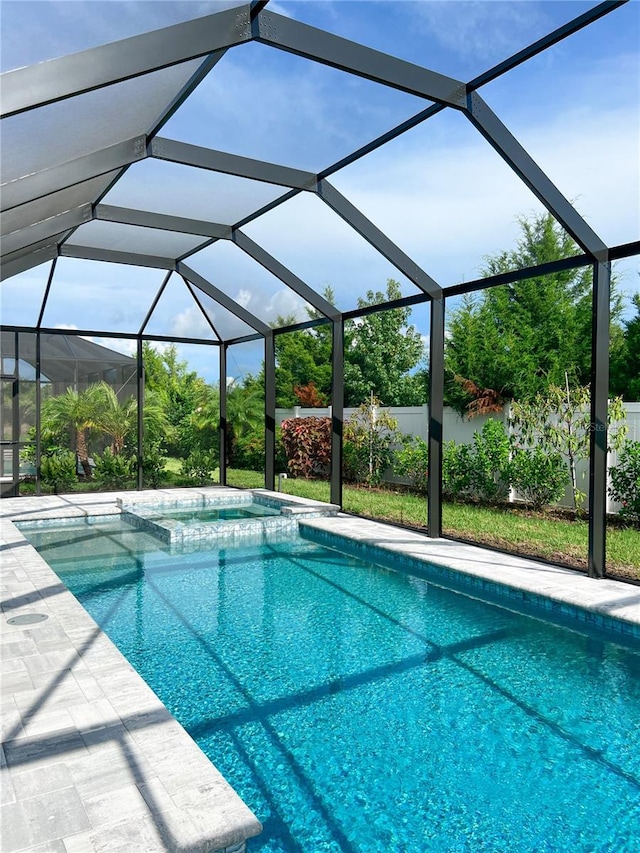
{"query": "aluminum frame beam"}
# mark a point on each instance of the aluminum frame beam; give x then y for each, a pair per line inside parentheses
(285, 275)
(337, 409)
(113, 256)
(161, 221)
(199, 157)
(223, 426)
(196, 299)
(26, 259)
(156, 299)
(47, 181)
(221, 297)
(507, 146)
(45, 298)
(599, 419)
(436, 416)
(536, 47)
(269, 411)
(58, 79)
(140, 413)
(48, 229)
(320, 46)
(378, 239)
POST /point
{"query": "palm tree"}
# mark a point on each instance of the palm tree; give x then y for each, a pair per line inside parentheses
(245, 412)
(77, 412)
(119, 420)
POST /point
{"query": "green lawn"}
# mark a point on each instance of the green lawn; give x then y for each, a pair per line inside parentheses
(554, 538)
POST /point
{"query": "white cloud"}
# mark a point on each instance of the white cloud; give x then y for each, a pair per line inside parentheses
(283, 304)
(66, 326)
(479, 28)
(190, 323)
(244, 297)
(126, 346)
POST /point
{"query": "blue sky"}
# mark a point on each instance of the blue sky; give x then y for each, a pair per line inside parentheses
(439, 191)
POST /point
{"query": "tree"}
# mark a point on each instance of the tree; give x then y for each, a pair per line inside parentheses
(119, 420)
(516, 340)
(76, 412)
(180, 392)
(302, 358)
(381, 351)
(625, 359)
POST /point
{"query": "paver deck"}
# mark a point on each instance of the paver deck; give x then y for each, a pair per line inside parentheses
(93, 762)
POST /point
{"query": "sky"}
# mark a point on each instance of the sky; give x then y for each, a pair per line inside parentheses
(439, 191)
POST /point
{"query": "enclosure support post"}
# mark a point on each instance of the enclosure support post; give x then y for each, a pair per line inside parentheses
(140, 392)
(38, 413)
(269, 411)
(223, 414)
(599, 419)
(337, 410)
(436, 407)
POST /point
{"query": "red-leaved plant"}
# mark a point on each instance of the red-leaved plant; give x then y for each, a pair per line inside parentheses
(307, 443)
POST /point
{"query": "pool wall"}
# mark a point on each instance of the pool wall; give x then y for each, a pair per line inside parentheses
(92, 759)
(549, 592)
(143, 514)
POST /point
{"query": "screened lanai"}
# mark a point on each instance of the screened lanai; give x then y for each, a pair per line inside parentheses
(218, 175)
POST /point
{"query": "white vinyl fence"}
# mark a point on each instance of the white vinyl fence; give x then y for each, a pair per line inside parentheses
(414, 420)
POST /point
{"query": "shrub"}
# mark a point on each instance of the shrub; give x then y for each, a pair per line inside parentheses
(248, 452)
(59, 470)
(198, 465)
(490, 462)
(456, 470)
(113, 470)
(307, 443)
(625, 481)
(412, 461)
(479, 470)
(153, 463)
(538, 476)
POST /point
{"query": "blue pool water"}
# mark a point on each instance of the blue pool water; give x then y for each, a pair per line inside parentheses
(214, 514)
(362, 710)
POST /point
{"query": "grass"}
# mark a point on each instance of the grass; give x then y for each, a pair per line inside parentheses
(552, 537)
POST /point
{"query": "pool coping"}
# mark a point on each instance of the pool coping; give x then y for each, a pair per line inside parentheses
(611, 605)
(92, 760)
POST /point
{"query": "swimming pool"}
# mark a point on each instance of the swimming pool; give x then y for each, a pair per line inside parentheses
(356, 708)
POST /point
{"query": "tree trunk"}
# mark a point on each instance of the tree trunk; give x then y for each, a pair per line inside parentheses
(83, 453)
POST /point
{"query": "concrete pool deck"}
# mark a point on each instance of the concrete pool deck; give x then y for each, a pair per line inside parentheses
(93, 762)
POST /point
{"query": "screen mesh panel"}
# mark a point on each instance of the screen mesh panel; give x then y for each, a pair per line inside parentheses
(89, 122)
(443, 195)
(21, 296)
(302, 114)
(250, 284)
(177, 314)
(101, 296)
(316, 244)
(129, 238)
(49, 30)
(55, 203)
(179, 190)
(227, 325)
(578, 117)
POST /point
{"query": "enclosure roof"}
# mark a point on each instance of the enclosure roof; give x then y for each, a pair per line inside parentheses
(90, 170)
